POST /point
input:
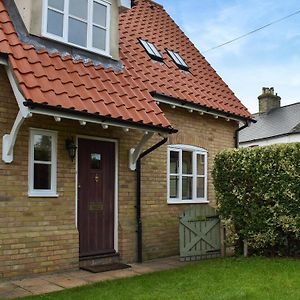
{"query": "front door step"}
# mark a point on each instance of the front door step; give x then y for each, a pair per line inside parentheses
(106, 259)
(104, 268)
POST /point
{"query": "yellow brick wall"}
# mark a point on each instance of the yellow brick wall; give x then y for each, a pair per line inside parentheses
(40, 234)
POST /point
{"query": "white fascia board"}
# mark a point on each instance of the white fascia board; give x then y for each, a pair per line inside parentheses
(188, 106)
(87, 119)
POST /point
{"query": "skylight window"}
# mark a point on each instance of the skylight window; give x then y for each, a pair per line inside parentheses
(178, 60)
(151, 50)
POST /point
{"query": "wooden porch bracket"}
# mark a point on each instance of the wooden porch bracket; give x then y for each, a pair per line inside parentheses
(8, 140)
(134, 153)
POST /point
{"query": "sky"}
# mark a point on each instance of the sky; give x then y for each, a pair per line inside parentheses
(268, 58)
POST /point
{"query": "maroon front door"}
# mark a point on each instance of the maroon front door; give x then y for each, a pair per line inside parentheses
(96, 184)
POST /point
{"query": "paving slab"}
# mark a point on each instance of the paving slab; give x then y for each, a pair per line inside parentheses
(14, 293)
(44, 289)
(65, 281)
(43, 284)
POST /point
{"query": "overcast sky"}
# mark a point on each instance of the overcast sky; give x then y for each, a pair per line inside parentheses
(270, 57)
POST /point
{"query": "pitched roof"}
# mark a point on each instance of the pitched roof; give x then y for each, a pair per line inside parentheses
(279, 121)
(64, 82)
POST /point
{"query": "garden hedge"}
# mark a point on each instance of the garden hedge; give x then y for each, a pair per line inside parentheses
(258, 193)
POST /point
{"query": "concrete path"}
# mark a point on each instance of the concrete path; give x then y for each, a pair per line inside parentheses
(56, 282)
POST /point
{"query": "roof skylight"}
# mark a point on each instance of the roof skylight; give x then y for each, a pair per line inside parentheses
(178, 60)
(151, 50)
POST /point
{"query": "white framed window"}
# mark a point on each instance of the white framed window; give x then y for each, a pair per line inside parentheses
(82, 23)
(42, 163)
(187, 174)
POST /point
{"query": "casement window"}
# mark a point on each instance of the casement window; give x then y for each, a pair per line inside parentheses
(83, 23)
(42, 163)
(187, 174)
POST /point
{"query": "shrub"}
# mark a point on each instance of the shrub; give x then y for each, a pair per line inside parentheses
(258, 192)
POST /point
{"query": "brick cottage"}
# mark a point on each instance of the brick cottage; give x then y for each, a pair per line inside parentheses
(110, 120)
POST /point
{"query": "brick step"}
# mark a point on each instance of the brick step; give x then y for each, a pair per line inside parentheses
(99, 260)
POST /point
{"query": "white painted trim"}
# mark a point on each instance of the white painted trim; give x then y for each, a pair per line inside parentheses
(42, 193)
(116, 200)
(10, 139)
(88, 119)
(195, 151)
(290, 138)
(134, 153)
(89, 21)
(188, 106)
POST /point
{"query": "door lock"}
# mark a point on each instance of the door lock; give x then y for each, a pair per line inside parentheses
(96, 178)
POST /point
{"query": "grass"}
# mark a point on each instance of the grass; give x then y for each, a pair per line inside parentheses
(231, 278)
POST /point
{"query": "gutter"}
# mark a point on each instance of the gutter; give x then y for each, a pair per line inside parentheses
(138, 198)
(89, 117)
(236, 134)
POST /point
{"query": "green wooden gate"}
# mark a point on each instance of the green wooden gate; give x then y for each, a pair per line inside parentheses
(199, 233)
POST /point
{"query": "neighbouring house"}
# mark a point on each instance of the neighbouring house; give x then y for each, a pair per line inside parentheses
(275, 124)
(110, 119)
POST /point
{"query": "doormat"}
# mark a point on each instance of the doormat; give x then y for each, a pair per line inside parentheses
(105, 268)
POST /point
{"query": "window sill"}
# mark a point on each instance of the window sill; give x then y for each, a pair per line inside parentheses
(90, 50)
(188, 202)
(43, 195)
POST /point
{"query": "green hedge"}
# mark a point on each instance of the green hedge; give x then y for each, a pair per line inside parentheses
(258, 193)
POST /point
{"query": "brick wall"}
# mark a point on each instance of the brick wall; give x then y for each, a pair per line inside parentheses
(40, 234)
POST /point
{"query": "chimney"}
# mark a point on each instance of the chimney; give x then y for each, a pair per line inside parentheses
(268, 100)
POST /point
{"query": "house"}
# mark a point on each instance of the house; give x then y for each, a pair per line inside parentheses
(275, 124)
(110, 120)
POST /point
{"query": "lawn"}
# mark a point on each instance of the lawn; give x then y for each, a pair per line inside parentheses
(231, 278)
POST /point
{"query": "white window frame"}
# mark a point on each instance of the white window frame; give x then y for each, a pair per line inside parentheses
(195, 151)
(90, 23)
(52, 191)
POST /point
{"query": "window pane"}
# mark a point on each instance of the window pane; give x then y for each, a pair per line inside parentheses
(174, 183)
(187, 188)
(99, 14)
(77, 32)
(187, 162)
(174, 162)
(200, 187)
(58, 4)
(42, 147)
(42, 177)
(55, 22)
(95, 160)
(99, 38)
(78, 8)
(200, 164)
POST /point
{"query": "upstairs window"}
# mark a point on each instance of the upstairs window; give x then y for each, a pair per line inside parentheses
(151, 50)
(187, 174)
(83, 23)
(178, 60)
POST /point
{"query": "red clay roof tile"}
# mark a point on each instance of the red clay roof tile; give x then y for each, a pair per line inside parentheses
(55, 80)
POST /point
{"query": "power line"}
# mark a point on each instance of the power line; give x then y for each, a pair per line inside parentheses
(253, 31)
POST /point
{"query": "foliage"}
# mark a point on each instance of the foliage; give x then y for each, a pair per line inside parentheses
(258, 192)
(231, 278)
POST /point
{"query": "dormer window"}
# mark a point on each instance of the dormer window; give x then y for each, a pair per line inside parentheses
(151, 50)
(178, 60)
(82, 23)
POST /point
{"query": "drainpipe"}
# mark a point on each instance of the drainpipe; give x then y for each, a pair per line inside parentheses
(236, 134)
(138, 199)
